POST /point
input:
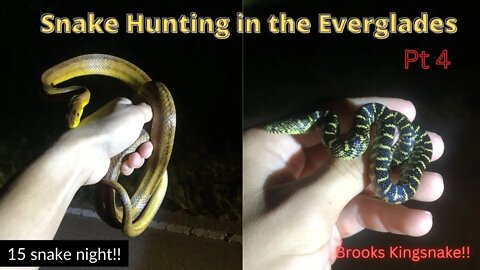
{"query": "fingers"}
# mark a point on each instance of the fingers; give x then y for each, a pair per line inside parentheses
(137, 159)
(120, 104)
(123, 101)
(365, 212)
(316, 154)
(396, 104)
(438, 145)
(144, 108)
(134, 161)
(146, 111)
(431, 187)
(146, 150)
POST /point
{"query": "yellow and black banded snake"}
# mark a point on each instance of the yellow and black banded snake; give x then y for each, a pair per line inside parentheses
(136, 213)
(412, 152)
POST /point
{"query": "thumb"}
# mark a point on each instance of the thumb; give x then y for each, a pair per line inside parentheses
(330, 189)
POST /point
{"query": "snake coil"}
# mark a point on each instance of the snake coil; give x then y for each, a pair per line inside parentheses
(137, 211)
(412, 152)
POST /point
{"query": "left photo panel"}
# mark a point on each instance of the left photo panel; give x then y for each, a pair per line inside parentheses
(121, 137)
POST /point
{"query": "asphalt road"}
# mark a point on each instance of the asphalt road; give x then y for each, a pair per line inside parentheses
(157, 249)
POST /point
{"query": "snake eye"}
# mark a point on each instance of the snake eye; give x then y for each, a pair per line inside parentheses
(77, 114)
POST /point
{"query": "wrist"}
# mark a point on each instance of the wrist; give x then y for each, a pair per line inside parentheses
(50, 183)
(83, 155)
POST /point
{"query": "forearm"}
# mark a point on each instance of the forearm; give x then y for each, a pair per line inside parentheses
(34, 205)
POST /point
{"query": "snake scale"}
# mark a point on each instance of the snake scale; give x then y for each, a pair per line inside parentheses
(412, 151)
(136, 212)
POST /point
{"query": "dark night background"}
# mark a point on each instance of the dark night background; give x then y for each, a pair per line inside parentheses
(281, 74)
(202, 73)
(290, 72)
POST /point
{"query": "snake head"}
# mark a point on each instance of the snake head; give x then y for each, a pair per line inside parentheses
(76, 105)
(73, 117)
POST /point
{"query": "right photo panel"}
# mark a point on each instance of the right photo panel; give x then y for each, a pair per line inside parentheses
(360, 139)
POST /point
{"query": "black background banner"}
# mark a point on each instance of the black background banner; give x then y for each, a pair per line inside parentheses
(64, 253)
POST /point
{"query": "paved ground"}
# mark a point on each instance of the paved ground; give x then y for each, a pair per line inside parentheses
(157, 248)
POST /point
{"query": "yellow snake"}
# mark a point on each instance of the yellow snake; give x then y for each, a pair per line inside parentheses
(138, 211)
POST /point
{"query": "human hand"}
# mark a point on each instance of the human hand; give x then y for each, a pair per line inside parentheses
(109, 131)
(299, 202)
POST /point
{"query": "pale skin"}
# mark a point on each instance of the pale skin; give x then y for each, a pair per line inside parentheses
(42, 193)
(299, 202)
